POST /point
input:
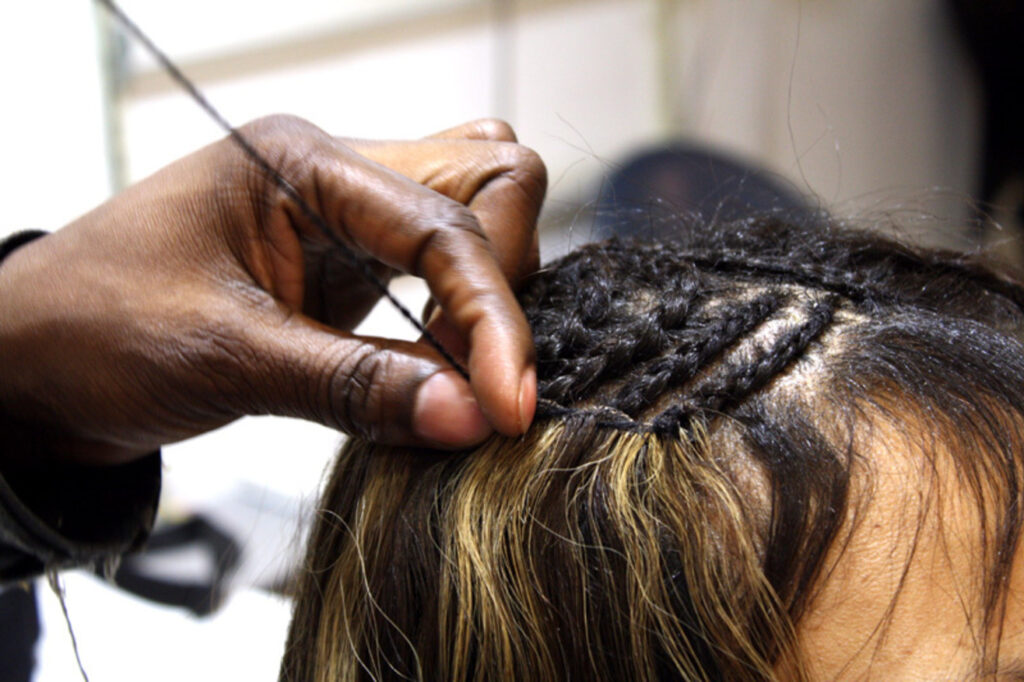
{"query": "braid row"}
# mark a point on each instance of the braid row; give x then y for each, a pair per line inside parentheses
(868, 277)
(742, 380)
(848, 284)
(622, 327)
(595, 331)
(698, 346)
(739, 380)
(720, 391)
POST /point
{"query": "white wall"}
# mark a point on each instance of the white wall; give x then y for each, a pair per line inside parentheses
(53, 164)
(868, 104)
(847, 98)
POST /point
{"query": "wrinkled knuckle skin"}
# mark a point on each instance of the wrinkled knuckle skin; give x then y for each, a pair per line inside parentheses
(455, 219)
(278, 139)
(528, 170)
(456, 232)
(216, 357)
(297, 150)
(360, 387)
(284, 140)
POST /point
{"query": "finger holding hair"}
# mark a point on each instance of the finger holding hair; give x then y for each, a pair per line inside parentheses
(479, 165)
(391, 218)
(185, 302)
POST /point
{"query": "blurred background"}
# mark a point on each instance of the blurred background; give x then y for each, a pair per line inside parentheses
(864, 109)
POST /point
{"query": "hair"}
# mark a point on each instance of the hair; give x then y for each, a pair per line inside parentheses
(698, 456)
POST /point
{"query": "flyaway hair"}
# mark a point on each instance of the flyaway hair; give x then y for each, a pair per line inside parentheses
(693, 473)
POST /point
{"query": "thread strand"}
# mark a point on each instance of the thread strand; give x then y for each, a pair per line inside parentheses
(282, 183)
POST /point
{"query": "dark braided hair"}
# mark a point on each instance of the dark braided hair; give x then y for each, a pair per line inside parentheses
(622, 324)
(636, 314)
(705, 404)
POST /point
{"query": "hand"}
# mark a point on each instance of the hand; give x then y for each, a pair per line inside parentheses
(201, 294)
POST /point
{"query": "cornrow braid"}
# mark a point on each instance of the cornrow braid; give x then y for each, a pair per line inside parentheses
(626, 354)
(707, 340)
(862, 285)
(624, 326)
(740, 380)
(853, 263)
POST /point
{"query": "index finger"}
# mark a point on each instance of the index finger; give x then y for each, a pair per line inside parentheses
(503, 183)
(414, 229)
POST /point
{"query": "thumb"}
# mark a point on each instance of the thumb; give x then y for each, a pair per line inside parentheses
(384, 390)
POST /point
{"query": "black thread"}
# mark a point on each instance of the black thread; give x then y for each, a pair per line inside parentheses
(311, 215)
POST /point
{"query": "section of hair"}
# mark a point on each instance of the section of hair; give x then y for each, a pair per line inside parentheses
(566, 555)
(670, 513)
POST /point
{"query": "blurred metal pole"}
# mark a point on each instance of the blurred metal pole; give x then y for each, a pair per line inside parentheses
(113, 74)
(666, 63)
(503, 59)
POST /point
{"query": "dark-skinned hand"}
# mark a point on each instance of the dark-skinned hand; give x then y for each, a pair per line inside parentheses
(202, 294)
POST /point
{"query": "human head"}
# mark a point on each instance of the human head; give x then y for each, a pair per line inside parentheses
(656, 185)
(763, 451)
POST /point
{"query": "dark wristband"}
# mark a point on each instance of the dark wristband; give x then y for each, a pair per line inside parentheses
(18, 239)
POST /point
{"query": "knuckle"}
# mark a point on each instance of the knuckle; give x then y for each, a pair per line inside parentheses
(280, 139)
(288, 142)
(454, 219)
(274, 125)
(362, 382)
(216, 355)
(495, 129)
(298, 152)
(456, 232)
(527, 169)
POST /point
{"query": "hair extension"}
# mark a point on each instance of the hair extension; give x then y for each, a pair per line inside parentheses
(670, 514)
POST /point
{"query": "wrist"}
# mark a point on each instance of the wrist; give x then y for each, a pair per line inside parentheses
(16, 437)
(32, 436)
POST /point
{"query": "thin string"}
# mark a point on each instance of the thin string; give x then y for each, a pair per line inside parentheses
(58, 589)
(307, 211)
(546, 409)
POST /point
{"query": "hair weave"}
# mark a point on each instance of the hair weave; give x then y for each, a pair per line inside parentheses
(670, 514)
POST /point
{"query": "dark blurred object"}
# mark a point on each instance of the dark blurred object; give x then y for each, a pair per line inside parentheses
(992, 31)
(201, 594)
(19, 630)
(655, 187)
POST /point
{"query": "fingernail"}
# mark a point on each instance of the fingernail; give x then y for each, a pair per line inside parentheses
(527, 398)
(446, 413)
